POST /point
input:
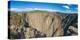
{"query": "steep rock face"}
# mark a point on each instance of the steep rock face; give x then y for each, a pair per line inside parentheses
(45, 22)
(35, 24)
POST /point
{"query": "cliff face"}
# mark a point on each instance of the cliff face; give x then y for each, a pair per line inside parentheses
(35, 24)
(47, 23)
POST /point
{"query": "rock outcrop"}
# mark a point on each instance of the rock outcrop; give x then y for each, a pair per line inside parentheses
(45, 22)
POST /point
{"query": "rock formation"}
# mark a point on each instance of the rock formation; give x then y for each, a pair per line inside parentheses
(37, 24)
(45, 22)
